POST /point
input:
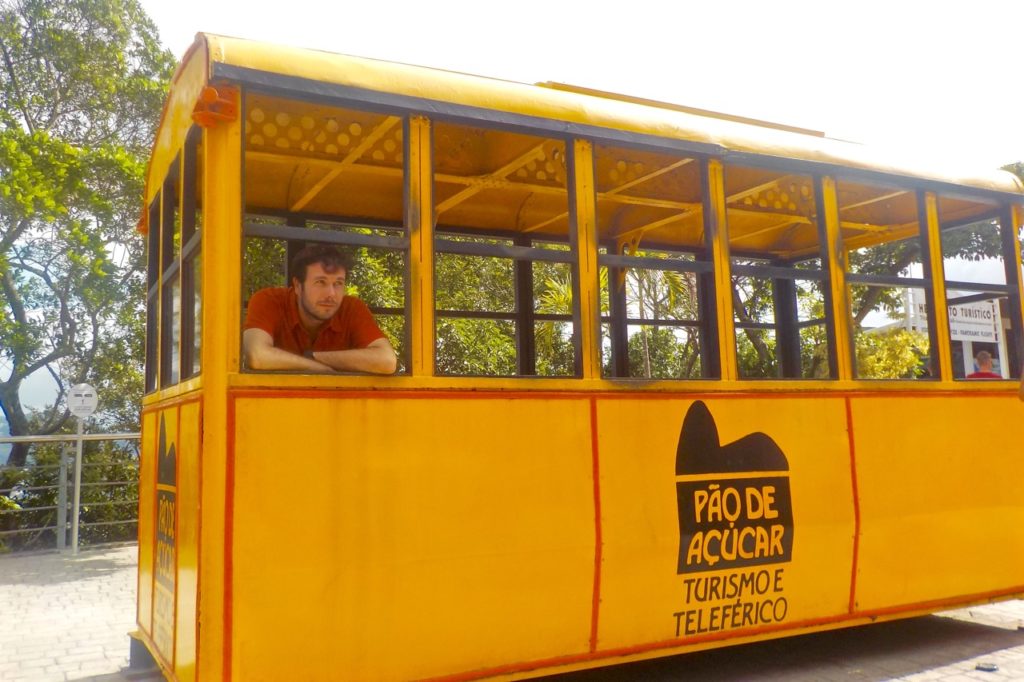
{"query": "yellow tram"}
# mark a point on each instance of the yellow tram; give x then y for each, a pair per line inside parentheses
(668, 379)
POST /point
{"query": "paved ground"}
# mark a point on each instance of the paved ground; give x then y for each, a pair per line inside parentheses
(66, 618)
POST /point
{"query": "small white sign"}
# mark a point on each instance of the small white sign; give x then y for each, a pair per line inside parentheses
(82, 400)
(977, 321)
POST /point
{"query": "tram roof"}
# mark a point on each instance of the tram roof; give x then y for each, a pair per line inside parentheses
(560, 110)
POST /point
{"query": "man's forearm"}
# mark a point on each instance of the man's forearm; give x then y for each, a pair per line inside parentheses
(375, 359)
(271, 357)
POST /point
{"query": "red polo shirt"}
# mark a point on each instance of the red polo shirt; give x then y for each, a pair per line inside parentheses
(275, 311)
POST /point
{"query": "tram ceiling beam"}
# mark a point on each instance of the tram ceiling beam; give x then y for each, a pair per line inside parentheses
(375, 135)
(500, 174)
(636, 233)
(872, 200)
(757, 189)
(613, 194)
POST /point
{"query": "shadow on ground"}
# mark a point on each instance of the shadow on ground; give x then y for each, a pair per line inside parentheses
(51, 568)
(877, 652)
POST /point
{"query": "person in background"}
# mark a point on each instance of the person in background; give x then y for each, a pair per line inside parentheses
(984, 362)
(313, 325)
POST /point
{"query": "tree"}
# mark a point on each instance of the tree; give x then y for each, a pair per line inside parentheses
(81, 89)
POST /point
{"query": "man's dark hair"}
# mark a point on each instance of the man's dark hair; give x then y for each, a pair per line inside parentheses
(329, 257)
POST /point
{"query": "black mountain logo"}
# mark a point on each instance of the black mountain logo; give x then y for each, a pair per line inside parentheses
(167, 470)
(737, 519)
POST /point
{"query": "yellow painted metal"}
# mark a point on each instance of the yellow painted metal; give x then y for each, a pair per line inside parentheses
(165, 586)
(220, 356)
(837, 265)
(420, 222)
(147, 523)
(643, 598)
(940, 499)
(938, 277)
(186, 85)
(406, 539)
(717, 220)
(1017, 218)
(531, 100)
(586, 259)
(188, 451)
(413, 533)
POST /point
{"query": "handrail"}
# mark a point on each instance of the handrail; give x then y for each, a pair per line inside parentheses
(56, 516)
(59, 437)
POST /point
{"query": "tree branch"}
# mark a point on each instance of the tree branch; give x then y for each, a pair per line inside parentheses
(14, 85)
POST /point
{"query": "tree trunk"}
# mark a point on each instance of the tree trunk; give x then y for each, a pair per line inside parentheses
(10, 403)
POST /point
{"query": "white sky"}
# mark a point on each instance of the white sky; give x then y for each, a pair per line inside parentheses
(896, 73)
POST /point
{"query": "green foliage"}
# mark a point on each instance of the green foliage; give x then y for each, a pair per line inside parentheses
(664, 353)
(81, 89)
(29, 495)
(891, 354)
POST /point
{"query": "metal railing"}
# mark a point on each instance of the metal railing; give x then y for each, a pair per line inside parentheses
(34, 498)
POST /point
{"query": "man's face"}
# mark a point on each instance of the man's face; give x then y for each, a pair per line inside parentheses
(320, 295)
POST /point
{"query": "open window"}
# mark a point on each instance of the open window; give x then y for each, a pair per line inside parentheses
(889, 280)
(504, 283)
(657, 285)
(981, 288)
(780, 294)
(174, 279)
(324, 174)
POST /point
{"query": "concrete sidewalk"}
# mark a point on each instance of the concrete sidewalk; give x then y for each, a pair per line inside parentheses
(65, 618)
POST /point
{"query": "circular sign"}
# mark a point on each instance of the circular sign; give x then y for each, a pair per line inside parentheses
(82, 400)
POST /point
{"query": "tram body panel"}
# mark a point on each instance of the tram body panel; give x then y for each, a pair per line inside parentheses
(169, 493)
(936, 524)
(458, 531)
(164, 539)
(645, 597)
(147, 523)
(187, 540)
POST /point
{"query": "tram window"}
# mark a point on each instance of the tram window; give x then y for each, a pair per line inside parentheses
(191, 259)
(316, 173)
(152, 294)
(663, 332)
(170, 283)
(377, 277)
(654, 265)
(984, 313)
(889, 285)
(503, 289)
(777, 246)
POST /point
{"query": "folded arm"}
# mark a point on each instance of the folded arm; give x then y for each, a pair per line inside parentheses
(377, 358)
(261, 353)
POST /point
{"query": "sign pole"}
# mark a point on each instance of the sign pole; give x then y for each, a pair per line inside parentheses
(78, 489)
(82, 403)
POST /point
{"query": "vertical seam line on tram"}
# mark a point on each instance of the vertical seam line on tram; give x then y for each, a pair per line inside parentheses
(856, 505)
(595, 455)
(229, 505)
